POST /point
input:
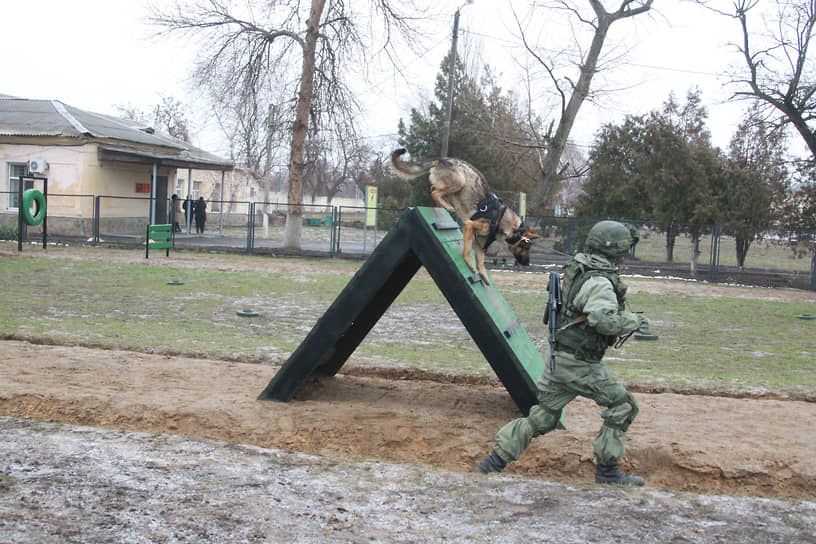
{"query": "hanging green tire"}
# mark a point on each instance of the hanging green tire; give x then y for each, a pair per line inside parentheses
(247, 313)
(33, 196)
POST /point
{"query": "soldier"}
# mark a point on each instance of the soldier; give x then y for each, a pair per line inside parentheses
(591, 318)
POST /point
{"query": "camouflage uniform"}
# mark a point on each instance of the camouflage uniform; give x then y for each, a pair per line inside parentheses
(592, 289)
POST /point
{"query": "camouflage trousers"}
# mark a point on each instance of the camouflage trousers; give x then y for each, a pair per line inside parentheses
(573, 377)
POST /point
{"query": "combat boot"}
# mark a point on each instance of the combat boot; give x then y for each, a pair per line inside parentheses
(492, 463)
(612, 474)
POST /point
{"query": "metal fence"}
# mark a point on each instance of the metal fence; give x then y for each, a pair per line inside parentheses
(774, 259)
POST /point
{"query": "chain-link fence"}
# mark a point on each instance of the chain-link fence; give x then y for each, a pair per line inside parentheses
(714, 253)
(773, 258)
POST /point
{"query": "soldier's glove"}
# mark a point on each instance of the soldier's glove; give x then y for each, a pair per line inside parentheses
(644, 324)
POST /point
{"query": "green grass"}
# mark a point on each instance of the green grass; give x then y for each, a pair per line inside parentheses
(727, 344)
(766, 255)
(763, 255)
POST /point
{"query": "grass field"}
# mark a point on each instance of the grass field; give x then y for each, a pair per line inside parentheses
(762, 254)
(724, 344)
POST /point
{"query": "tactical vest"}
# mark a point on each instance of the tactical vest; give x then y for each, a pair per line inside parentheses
(492, 209)
(580, 339)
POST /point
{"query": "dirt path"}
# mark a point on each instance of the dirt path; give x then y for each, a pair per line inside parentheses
(690, 443)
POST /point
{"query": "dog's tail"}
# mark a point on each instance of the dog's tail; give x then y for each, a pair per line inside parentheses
(409, 170)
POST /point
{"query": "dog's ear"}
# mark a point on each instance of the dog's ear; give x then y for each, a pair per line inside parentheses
(531, 233)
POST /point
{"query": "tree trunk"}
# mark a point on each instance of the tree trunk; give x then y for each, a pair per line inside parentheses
(549, 171)
(267, 182)
(743, 243)
(294, 217)
(671, 235)
(695, 252)
(813, 267)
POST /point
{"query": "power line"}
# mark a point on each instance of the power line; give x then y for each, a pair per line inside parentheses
(508, 43)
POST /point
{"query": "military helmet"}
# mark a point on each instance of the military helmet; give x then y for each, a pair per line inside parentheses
(610, 238)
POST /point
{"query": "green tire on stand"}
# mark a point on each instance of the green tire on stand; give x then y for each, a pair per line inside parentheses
(33, 196)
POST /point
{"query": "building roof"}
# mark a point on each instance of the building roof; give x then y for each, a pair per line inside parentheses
(51, 118)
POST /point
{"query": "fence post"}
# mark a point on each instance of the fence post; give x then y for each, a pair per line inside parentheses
(714, 257)
(221, 208)
(337, 232)
(813, 267)
(331, 236)
(97, 208)
(20, 223)
(45, 217)
(250, 227)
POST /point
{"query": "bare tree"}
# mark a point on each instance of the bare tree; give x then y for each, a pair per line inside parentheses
(333, 165)
(571, 93)
(282, 48)
(168, 115)
(255, 133)
(774, 46)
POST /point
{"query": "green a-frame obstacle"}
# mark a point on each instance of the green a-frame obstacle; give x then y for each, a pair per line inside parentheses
(422, 237)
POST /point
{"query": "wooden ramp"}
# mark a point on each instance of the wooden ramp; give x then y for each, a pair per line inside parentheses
(423, 237)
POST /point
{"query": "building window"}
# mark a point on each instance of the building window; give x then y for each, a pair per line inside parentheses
(15, 171)
(143, 188)
(179, 184)
(196, 190)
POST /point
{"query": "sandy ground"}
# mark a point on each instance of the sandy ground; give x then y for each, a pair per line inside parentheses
(367, 458)
(189, 481)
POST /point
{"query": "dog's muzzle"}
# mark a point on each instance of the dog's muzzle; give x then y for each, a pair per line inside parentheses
(520, 246)
(519, 240)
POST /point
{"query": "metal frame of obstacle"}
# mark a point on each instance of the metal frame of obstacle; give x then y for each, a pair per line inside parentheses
(21, 224)
(422, 237)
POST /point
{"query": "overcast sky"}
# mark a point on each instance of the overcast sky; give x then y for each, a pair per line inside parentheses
(96, 54)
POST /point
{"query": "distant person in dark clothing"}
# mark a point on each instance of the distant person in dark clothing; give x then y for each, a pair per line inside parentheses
(200, 214)
(188, 206)
(175, 213)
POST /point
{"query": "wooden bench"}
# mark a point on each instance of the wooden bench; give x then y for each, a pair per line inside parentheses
(158, 237)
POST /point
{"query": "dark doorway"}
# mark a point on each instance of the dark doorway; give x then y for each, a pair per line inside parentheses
(161, 200)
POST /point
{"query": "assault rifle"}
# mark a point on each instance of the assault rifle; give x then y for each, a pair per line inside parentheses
(551, 313)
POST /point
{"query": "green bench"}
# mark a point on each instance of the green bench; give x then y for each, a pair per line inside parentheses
(158, 237)
(315, 221)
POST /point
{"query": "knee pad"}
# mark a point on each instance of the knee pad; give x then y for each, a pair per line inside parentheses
(621, 413)
(543, 420)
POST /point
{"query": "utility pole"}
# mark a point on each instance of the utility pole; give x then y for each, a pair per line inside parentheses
(451, 69)
(270, 127)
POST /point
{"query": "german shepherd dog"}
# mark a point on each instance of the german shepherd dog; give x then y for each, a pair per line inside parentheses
(461, 189)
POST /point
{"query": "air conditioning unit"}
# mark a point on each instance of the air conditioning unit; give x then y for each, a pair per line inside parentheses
(37, 166)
